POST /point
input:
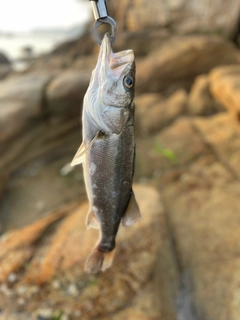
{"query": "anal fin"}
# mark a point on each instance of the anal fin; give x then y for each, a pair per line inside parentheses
(132, 214)
(91, 221)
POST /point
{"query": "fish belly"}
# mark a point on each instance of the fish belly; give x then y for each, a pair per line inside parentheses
(108, 173)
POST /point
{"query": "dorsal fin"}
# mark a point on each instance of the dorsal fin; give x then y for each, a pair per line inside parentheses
(132, 214)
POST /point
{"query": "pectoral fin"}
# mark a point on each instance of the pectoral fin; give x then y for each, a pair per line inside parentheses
(91, 221)
(132, 213)
(78, 158)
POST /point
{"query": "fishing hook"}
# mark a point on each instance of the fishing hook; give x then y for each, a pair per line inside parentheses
(101, 16)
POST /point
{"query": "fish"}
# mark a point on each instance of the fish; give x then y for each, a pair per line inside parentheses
(107, 151)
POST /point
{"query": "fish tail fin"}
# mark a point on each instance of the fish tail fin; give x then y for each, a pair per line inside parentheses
(99, 261)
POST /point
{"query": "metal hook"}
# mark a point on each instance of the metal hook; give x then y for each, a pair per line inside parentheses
(98, 23)
(101, 16)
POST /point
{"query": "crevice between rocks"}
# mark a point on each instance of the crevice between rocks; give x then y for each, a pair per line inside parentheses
(44, 101)
(184, 308)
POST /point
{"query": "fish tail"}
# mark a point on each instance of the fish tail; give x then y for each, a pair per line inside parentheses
(99, 261)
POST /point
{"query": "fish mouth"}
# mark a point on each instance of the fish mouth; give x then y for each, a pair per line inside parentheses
(115, 62)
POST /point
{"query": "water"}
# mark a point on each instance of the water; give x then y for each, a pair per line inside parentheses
(14, 46)
(39, 43)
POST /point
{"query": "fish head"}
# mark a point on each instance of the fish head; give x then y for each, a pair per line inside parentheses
(115, 75)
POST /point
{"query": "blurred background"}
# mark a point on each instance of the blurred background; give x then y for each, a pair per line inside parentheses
(181, 261)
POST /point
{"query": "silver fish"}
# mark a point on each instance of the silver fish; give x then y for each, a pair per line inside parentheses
(108, 150)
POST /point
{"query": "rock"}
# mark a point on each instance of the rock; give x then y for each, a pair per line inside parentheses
(224, 86)
(16, 246)
(201, 204)
(4, 60)
(65, 93)
(44, 314)
(28, 88)
(13, 316)
(168, 69)
(13, 117)
(72, 290)
(5, 66)
(222, 135)
(154, 113)
(75, 48)
(174, 147)
(180, 16)
(137, 41)
(4, 71)
(206, 227)
(21, 99)
(63, 253)
(200, 100)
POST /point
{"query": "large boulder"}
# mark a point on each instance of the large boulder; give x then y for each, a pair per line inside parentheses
(154, 112)
(175, 146)
(203, 205)
(137, 286)
(179, 60)
(200, 100)
(21, 99)
(224, 86)
(3, 59)
(181, 16)
(65, 93)
(5, 66)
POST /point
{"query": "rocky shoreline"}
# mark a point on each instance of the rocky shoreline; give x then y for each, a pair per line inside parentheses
(181, 261)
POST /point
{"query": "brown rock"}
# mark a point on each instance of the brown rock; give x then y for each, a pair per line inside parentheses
(175, 146)
(4, 70)
(13, 117)
(17, 246)
(27, 88)
(224, 86)
(137, 41)
(16, 239)
(183, 16)
(120, 290)
(65, 93)
(14, 261)
(63, 252)
(222, 134)
(179, 60)
(21, 99)
(206, 229)
(200, 100)
(154, 113)
(4, 60)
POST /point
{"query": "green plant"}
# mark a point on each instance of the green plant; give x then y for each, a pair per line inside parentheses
(165, 152)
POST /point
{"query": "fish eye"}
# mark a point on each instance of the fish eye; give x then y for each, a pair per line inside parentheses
(128, 82)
